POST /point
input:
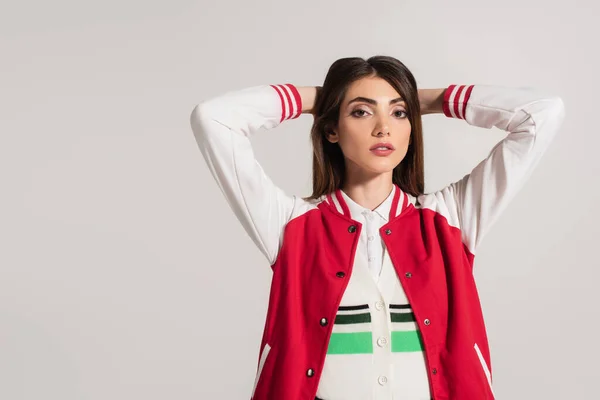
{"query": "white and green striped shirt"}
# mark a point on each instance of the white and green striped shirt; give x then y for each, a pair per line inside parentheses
(375, 350)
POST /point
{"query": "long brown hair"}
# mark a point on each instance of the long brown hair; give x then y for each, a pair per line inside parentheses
(328, 160)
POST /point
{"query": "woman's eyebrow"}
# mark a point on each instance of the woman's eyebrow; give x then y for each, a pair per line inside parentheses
(374, 102)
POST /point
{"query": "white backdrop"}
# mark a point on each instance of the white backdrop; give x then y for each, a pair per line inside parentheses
(123, 272)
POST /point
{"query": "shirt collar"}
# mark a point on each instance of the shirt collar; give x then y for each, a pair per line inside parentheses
(383, 209)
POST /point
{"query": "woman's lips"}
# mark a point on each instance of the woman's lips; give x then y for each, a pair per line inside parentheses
(382, 149)
(382, 152)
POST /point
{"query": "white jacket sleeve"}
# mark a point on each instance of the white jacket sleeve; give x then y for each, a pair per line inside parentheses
(222, 127)
(531, 120)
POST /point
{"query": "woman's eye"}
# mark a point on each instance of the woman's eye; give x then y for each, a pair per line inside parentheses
(402, 113)
(358, 111)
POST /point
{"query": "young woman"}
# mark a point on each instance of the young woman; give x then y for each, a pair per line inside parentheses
(372, 295)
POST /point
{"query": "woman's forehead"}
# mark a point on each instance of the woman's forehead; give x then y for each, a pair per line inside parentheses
(376, 89)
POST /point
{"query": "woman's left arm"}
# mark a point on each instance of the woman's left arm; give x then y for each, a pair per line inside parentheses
(531, 120)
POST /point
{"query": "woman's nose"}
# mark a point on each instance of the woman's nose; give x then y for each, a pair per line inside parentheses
(382, 130)
(382, 127)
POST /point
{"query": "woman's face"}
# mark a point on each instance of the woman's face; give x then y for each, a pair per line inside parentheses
(372, 113)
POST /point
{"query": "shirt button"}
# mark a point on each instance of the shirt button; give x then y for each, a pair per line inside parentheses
(310, 372)
(379, 305)
(434, 371)
(388, 231)
(427, 322)
(382, 341)
(370, 217)
(340, 274)
(371, 258)
(371, 238)
(352, 228)
(382, 380)
(323, 321)
(408, 275)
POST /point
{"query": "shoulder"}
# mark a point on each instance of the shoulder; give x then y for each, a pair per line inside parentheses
(441, 203)
(302, 206)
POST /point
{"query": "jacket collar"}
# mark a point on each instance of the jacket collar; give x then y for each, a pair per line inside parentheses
(396, 203)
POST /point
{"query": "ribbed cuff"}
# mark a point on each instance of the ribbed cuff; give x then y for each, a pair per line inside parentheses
(456, 98)
(291, 102)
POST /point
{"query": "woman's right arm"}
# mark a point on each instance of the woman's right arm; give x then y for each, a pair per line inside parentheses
(222, 127)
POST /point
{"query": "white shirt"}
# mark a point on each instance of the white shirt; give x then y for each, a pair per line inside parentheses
(370, 244)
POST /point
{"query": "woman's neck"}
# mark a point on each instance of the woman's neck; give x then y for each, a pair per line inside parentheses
(369, 193)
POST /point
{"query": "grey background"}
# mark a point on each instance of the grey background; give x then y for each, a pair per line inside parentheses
(124, 274)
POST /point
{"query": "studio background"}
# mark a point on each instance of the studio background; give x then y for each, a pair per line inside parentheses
(125, 275)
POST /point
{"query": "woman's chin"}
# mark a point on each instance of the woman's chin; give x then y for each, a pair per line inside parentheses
(380, 168)
(382, 165)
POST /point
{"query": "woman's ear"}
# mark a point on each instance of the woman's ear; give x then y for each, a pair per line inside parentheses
(332, 136)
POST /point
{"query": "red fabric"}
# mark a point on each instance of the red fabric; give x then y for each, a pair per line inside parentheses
(283, 106)
(307, 286)
(459, 108)
(297, 97)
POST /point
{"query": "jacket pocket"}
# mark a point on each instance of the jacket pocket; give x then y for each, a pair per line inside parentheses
(261, 364)
(485, 368)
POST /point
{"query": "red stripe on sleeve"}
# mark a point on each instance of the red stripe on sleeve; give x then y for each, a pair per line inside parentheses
(282, 102)
(288, 101)
(445, 104)
(456, 102)
(298, 99)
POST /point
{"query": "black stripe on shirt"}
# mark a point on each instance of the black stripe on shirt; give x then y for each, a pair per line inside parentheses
(353, 308)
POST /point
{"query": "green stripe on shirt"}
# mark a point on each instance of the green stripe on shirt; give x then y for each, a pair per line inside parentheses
(350, 343)
(406, 341)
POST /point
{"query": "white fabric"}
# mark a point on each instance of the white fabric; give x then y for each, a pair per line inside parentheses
(370, 244)
(382, 374)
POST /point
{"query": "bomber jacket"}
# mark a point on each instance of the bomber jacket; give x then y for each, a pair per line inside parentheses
(430, 240)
